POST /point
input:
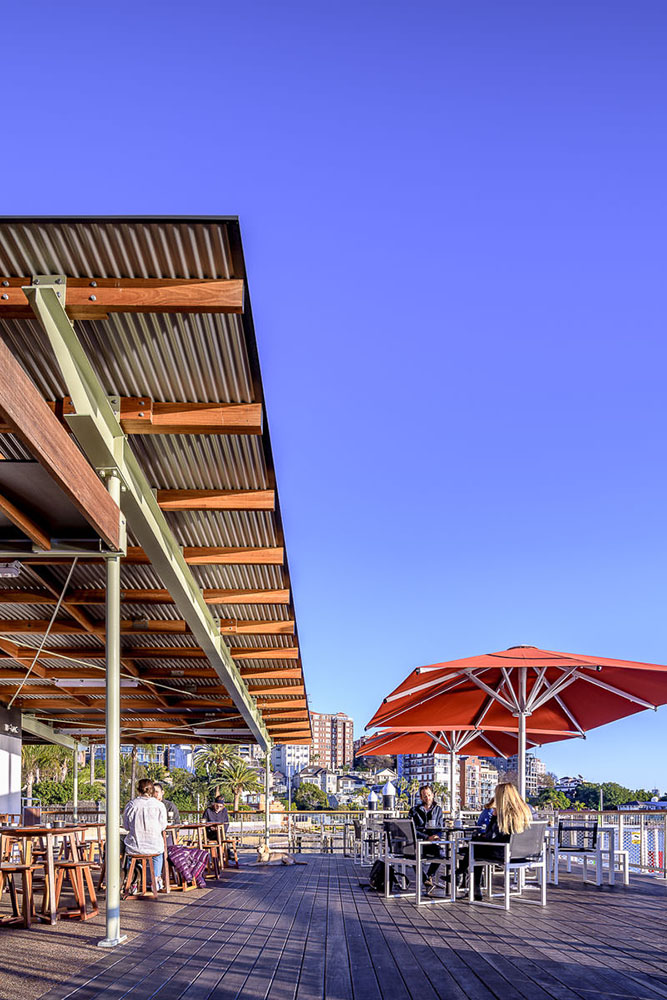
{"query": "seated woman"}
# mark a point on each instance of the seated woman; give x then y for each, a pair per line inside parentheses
(145, 818)
(510, 815)
(486, 815)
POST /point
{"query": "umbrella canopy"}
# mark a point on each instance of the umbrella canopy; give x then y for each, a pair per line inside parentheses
(473, 741)
(557, 692)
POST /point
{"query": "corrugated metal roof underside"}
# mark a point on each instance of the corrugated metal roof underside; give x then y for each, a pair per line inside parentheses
(187, 358)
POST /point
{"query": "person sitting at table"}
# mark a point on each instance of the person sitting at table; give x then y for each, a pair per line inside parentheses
(427, 817)
(173, 814)
(145, 818)
(216, 812)
(511, 815)
(486, 815)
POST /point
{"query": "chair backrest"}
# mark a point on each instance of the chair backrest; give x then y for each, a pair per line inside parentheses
(529, 843)
(581, 835)
(357, 829)
(401, 837)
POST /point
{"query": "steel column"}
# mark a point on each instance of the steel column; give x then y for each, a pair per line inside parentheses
(113, 935)
(267, 786)
(75, 793)
(452, 780)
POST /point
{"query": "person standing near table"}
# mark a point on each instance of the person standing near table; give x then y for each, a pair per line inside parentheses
(428, 815)
(145, 818)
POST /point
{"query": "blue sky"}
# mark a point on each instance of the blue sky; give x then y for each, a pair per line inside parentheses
(454, 220)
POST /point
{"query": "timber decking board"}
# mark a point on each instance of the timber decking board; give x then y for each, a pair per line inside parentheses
(312, 933)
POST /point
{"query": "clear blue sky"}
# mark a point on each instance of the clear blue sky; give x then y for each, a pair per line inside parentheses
(454, 220)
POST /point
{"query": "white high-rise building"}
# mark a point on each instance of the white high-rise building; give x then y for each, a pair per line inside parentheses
(288, 758)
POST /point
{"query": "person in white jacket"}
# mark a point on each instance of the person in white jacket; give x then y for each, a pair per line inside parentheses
(145, 818)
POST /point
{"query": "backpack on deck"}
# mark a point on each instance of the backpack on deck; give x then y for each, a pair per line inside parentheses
(397, 880)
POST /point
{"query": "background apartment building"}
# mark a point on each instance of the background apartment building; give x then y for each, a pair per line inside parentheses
(536, 771)
(333, 739)
(288, 758)
(426, 768)
(477, 782)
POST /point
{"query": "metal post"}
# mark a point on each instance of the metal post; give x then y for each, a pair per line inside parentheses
(75, 793)
(92, 763)
(113, 935)
(521, 754)
(267, 786)
(452, 781)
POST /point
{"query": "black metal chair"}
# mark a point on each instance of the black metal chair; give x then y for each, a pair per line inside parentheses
(402, 851)
(524, 851)
(579, 839)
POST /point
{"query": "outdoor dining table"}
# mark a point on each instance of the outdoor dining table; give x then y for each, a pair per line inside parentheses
(49, 836)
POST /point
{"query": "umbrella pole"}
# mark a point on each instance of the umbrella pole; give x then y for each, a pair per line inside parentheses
(521, 754)
(452, 781)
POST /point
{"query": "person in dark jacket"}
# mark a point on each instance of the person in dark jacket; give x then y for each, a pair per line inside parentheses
(173, 814)
(216, 812)
(427, 817)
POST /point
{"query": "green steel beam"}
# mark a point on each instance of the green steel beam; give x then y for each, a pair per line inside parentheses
(101, 437)
(46, 733)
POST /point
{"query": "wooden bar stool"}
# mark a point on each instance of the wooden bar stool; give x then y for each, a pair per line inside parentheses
(138, 869)
(16, 859)
(80, 878)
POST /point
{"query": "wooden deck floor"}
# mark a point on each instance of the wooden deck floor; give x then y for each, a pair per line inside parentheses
(311, 932)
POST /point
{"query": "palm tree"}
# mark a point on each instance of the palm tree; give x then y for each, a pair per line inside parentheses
(42, 760)
(413, 788)
(237, 777)
(212, 760)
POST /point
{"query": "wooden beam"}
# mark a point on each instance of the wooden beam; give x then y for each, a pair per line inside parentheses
(26, 524)
(171, 653)
(194, 556)
(216, 499)
(94, 298)
(95, 596)
(256, 673)
(23, 409)
(29, 626)
(140, 415)
(264, 692)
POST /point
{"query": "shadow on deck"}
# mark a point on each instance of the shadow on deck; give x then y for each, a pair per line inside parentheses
(311, 932)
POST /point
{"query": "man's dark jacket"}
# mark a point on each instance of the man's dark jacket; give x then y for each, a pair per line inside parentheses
(421, 816)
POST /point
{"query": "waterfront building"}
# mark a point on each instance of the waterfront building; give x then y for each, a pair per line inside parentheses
(333, 739)
(426, 768)
(320, 776)
(180, 755)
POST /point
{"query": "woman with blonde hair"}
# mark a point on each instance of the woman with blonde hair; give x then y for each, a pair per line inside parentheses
(510, 815)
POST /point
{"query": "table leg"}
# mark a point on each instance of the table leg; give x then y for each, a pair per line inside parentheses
(418, 874)
(51, 878)
(612, 855)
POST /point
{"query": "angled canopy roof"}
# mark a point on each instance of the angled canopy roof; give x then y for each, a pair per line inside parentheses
(167, 381)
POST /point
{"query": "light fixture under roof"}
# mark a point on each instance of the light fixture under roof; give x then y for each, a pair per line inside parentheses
(12, 568)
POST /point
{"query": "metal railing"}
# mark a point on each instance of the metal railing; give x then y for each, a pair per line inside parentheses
(643, 834)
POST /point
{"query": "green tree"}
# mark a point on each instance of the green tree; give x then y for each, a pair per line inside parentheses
(309, 796)
(157, 772)
(211, 760)
(550, 797)
(237, 777)
(40, 760)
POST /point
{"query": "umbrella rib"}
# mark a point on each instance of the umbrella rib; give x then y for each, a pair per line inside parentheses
(569, 714)
(553, 689)
(493, 746)
(434, 694)
(615, 690)
(539, 683)
(489, 690)
(507, 683)
(397, 695)
(489, 702)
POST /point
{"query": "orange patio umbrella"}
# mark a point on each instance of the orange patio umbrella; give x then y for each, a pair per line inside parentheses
(548, 691)
(453, 742)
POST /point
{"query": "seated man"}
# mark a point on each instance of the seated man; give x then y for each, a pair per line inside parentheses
(216, 812)
(173, 814)
(427, 816)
